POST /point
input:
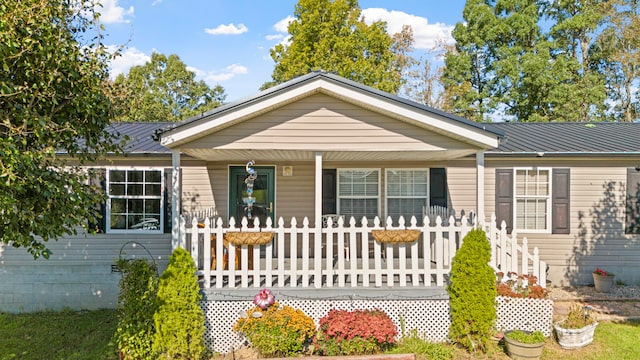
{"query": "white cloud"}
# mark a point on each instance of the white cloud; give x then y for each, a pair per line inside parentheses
(425, 35)
(274, 37)
(126, 59)
(230, 29)
(214, 77)
(282, 25)
(111, 12)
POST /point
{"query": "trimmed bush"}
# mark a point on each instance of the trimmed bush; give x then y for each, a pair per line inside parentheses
(136, 306)
(179, 319)
(276, 330)
(472, 293)
(355, 332)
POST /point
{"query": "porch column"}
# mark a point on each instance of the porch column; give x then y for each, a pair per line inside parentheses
(480, 186)
(318, 192)
(175, 198)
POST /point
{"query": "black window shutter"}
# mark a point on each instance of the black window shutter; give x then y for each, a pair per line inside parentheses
(168, 193)
(329, 191)
(632, 208)
(560, 214)
(438, 187)
(504, 197)
(98, 179)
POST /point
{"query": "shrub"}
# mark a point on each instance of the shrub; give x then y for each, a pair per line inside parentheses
(179, 320)
(413, 343)
(136, 306)
(472, 293)
(355, 332)
(520, 286)
(276, 330)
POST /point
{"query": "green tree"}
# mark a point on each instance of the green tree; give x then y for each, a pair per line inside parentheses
(472, 293)
(179, 320)
(163, 89)
(53, 115)
(331, 35)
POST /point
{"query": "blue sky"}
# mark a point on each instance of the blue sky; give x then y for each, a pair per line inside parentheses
(227, 42)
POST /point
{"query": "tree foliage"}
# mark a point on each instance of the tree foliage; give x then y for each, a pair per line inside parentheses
(472, 293)
(53, 114)
(331, 35)
(507, 66)
(163, 89)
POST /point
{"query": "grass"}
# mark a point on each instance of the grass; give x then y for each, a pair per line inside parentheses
(58, 335)
(88, 335)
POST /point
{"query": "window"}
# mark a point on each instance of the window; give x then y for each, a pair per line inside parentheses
(358, 193)
(407, 192)
(532, 199)
(135, 200)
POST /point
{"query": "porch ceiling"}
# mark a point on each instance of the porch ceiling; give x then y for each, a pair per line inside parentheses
(278, 155)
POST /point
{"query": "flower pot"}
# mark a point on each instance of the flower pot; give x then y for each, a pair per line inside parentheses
(521, 351)
(603, 283)
(574, 338)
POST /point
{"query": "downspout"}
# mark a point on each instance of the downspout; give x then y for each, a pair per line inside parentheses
(480, 186)
(175, 199)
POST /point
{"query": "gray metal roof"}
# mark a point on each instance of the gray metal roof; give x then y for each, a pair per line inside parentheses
(141, 136)
(569, 138)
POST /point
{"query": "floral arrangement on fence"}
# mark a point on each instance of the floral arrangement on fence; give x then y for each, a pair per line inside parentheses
(274, 329)
(520, 286)
(355, 332)
(601, 272)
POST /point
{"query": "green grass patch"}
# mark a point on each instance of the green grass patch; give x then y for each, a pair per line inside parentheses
(58, 335)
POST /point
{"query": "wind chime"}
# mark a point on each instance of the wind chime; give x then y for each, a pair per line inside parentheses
(251, 177)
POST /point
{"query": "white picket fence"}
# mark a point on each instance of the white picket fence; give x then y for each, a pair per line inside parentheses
(295, 259)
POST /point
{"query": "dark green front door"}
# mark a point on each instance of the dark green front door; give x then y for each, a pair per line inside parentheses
(263, 192)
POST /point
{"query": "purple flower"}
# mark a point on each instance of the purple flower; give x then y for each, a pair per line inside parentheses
(263, 299)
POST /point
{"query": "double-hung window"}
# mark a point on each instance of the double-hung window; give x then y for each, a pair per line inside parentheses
(532, 197)
(134, 200)
(358, 193)
(407, 193)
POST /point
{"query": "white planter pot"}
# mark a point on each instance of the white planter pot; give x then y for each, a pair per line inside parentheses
(574, 338)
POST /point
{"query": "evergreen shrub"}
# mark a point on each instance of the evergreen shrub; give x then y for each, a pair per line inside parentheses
(179, 319)
(472, 293)
(136, 306)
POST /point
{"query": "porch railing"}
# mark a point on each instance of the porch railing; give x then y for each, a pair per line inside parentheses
(344, 255)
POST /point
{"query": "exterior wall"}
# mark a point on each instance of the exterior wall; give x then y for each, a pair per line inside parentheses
(597, 216)
(197, 189)
(321, 122)
(78, 274)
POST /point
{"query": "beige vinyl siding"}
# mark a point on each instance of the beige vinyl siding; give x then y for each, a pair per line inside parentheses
(461, 182)
(197, 191)
(321, 122)
(597, 238)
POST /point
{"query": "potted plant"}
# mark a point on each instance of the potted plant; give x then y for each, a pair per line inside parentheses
(577, 329)
(523, 344)
(603, 280)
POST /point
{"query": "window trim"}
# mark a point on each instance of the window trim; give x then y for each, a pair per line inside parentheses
(386, 194)
(548, 208)
(379, 190)
(162, 198)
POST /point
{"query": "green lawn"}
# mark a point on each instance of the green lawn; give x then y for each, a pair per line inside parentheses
(88, 334)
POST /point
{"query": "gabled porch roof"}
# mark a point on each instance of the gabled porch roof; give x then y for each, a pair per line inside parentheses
(377, 126)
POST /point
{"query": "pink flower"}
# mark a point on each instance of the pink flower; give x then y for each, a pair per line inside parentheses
(263, 299)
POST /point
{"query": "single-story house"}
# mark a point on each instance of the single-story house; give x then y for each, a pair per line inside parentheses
(331, 153)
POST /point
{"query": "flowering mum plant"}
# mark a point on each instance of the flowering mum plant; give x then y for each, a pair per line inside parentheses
(520, 286)
(355, 332)
(275, 330)
(599, 271)
(264, 299)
